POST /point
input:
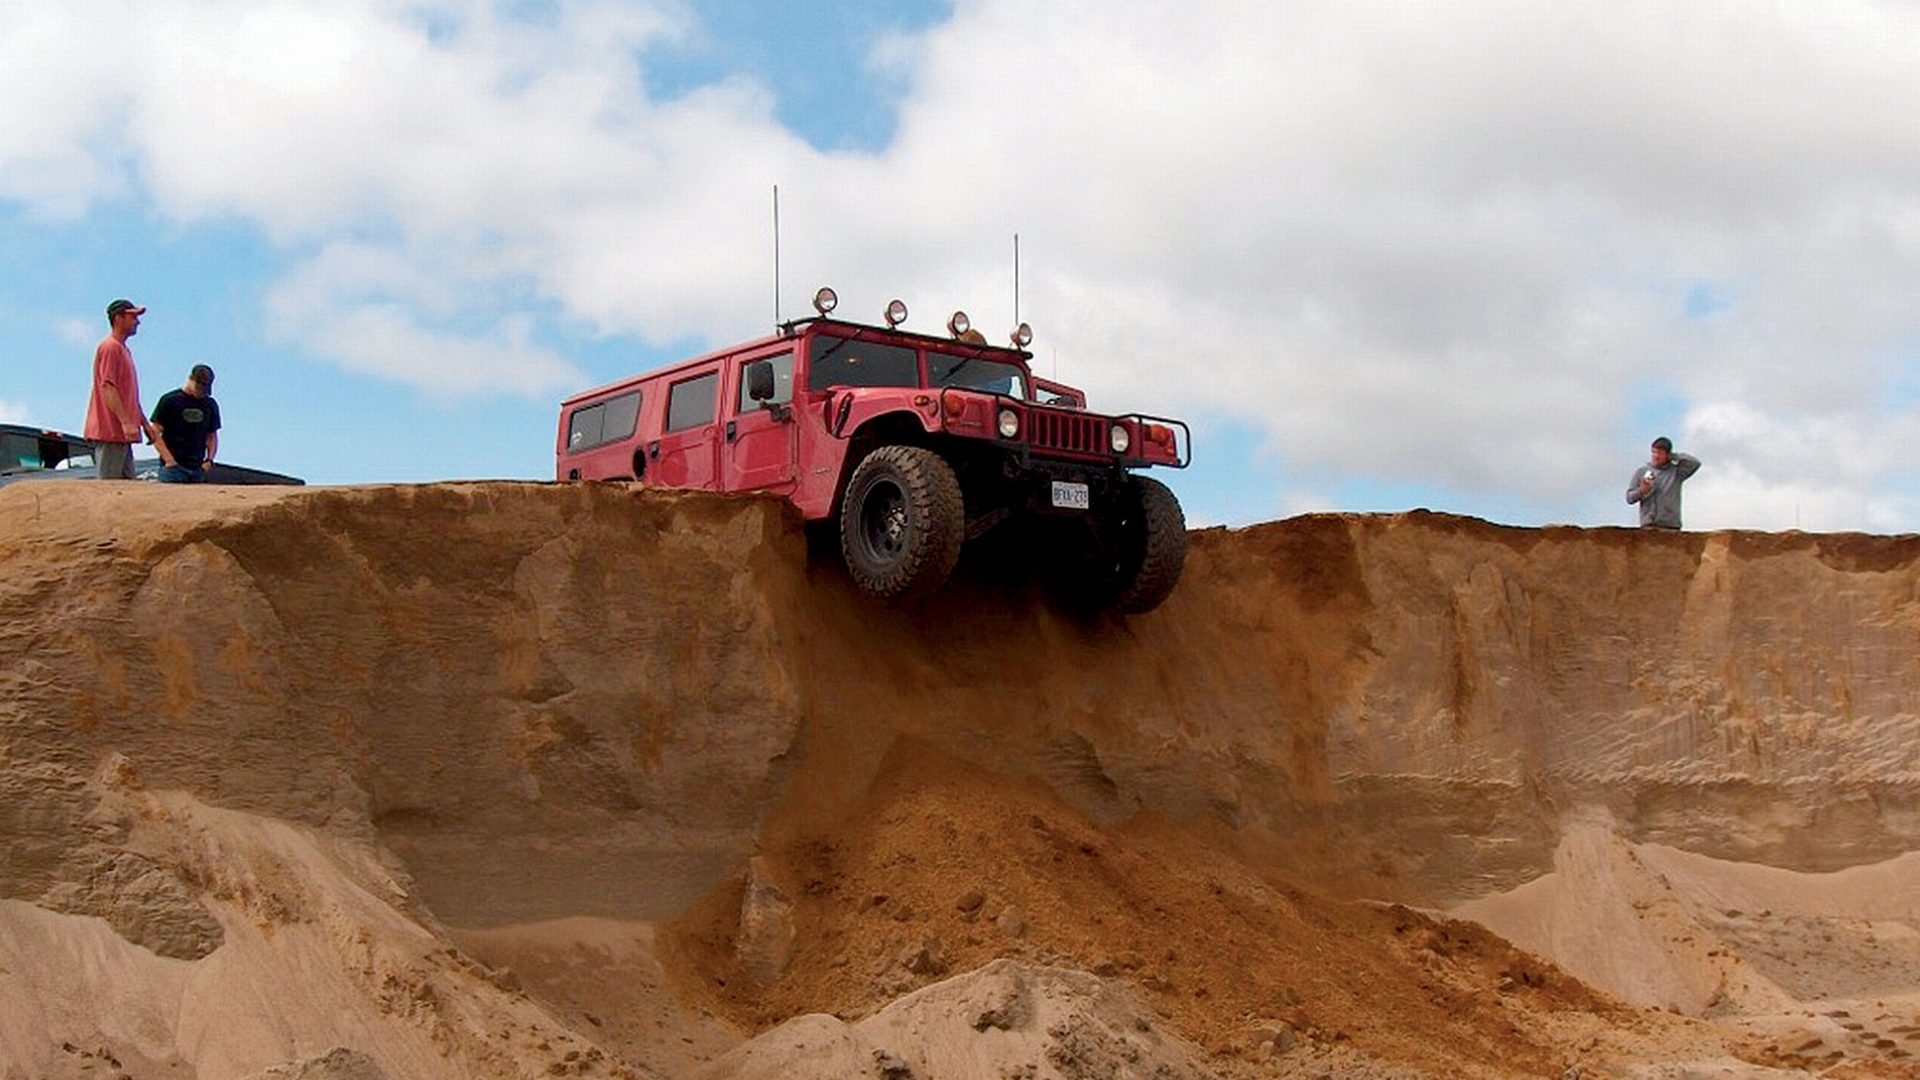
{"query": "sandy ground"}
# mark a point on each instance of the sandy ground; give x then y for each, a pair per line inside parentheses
(518, 780)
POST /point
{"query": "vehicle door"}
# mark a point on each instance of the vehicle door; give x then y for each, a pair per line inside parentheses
(684, 456)
(760, 438)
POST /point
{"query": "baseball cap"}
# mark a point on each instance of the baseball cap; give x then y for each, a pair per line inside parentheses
(202, 374)
(119, 306)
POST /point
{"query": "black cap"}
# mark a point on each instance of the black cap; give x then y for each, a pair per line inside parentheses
(1663, 443)
(203, 375)
(119, 306)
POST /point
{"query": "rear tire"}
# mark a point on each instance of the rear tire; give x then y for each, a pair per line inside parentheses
(902, 522)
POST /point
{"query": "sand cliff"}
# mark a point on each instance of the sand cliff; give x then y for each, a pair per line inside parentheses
(526, 780)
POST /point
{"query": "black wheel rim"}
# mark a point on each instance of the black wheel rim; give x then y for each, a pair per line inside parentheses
(883, 521)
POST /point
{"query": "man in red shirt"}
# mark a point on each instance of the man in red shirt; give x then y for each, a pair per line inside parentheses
(115, 420)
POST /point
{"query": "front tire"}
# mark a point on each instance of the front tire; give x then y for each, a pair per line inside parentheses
(902, 522)
(1132, 558)
(1156, 546)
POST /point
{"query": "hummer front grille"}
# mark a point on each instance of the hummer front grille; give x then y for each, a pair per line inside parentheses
(1073, 432)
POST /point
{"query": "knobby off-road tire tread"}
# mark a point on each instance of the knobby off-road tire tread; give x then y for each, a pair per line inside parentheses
(936, 514)
(1163, 555)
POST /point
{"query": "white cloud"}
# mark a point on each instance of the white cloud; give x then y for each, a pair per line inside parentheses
(80, 335)
(11, 413)
(1449, 245)
(381, 312)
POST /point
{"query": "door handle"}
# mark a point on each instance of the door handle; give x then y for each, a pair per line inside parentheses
(733, 428)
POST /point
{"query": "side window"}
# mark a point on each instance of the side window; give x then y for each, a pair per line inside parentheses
(56, 454)
(782, 382)
(603, 422)
(690, 403)
(584, 429)
(623, 414)
(845, 362)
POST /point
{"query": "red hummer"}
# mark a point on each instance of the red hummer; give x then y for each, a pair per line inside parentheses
(909, 444)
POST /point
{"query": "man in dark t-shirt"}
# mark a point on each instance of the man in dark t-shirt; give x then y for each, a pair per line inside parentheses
(188, 422)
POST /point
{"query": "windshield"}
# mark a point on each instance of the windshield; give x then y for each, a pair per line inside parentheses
(838, 361)
(19, 452)
(976, 373)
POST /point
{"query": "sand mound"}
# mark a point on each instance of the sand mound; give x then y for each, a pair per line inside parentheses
(1815, 967)
(1006, 1019)
(533, 780)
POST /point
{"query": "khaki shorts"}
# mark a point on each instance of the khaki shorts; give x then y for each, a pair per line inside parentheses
(115, 460)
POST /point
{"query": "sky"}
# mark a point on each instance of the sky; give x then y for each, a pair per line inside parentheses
(1462, 255)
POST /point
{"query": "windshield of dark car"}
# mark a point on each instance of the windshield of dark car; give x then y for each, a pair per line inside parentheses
(20, 451)
(976, 373)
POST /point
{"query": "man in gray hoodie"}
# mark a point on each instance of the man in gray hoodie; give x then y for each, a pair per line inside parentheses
(1656, 485)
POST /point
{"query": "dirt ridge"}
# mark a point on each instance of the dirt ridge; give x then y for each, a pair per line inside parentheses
(511, 705)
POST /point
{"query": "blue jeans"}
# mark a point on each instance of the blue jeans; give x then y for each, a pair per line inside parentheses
(180, 474)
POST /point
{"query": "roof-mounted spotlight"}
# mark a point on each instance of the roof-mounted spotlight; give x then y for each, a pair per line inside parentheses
(959, 324)
(825, 300)
(896, 313)
(1022, 336)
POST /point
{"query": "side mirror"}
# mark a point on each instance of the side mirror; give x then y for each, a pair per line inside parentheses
(760, 381)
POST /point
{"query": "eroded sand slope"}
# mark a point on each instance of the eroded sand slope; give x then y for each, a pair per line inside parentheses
(526, 780)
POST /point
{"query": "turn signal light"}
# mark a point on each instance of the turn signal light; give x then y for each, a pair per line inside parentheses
(1160, 434)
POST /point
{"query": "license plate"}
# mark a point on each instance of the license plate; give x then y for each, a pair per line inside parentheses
(1069, 495)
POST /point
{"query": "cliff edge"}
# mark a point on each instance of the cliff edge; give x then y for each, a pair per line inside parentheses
(505, 779)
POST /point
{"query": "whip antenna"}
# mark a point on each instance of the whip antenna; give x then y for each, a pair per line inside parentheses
(1016, 279)
(776, 254)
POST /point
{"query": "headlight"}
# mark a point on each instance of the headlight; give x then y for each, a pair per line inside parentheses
(896, 312)
(1009, 423)
(959, 324)
(825, 301)
(1118, 438)
(1022, 336)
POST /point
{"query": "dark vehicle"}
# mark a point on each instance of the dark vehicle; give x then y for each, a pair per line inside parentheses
(908, 446)
(28, 453)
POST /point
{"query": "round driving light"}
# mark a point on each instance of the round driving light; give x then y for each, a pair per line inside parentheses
(896, 312)
(959, 324)
(1118, 439)
(1022, 336)
(1009, 423)
(825, 300)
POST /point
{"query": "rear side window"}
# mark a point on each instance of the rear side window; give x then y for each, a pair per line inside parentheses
(603, 422)
(691, 403)
(845, 362)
